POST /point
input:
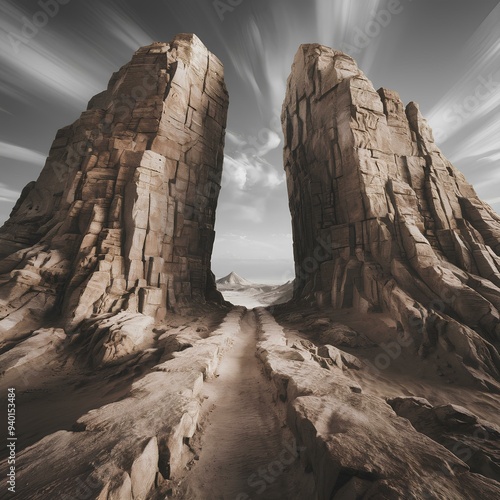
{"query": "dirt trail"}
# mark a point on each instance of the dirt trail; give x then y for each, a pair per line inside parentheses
(246, 450)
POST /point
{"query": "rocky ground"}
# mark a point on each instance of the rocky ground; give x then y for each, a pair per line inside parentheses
(256, 407)
(135, 379)
(245, 447)
(55, 386)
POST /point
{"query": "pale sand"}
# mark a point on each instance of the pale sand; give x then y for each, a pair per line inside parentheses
(244, 445)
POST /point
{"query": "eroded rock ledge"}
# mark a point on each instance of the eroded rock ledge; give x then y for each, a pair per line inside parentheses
(132, 447)
(354, 443)
(122, 215)
(383, 221)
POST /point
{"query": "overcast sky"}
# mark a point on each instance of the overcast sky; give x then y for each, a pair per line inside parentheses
(443, 54)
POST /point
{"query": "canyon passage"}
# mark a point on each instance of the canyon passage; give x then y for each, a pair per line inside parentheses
(135, 379)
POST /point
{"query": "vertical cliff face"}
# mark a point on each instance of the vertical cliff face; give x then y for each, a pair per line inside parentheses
(122, 215)
(382, 220)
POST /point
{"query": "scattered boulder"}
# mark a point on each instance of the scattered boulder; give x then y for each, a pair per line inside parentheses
(341, 335)
(26, 361)
(110, 340)
(117, 451)
(353, 442)
(340, 358)
(144, 468)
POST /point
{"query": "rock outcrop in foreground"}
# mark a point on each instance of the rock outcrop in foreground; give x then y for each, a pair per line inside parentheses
(118, 400)
(355, 444)
(383, 222)
(122, 215)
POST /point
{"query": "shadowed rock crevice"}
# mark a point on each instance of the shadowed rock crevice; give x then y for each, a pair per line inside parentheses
(470, 438)
(354, 443)
(139, 402)
(382, 221)
(122, 215)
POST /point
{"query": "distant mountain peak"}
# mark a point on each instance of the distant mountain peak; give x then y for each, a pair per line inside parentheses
(233, 279)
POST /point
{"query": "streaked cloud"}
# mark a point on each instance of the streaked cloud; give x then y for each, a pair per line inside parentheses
(121, 26)
(265, 141)
(465, 119)
(264, 51)
(234, 139)
(272, 141)
(19, 153)
(46, 60)
(41, 63)
(8, 194)
(481, 141)
(341, 23)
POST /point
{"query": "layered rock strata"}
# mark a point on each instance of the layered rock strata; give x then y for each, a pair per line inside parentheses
(383, 221)
(122, 215)
(130, 448)
(353, 442)
(473, 440)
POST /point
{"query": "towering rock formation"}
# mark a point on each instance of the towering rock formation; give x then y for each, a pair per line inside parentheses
(122, 215)
(383, 221)
(120, 226)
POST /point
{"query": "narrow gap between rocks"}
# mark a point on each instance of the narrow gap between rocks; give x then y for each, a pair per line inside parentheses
(244, 448)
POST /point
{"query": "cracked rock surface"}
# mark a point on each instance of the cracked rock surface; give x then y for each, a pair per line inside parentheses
(122, 215)
(135, 380)
(382, 221)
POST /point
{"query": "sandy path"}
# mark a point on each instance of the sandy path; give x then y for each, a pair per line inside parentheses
(246, 450)
(53, 391)
(243, 298)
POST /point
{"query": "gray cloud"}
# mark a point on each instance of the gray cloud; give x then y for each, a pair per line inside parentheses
(14, 152)
(421, 50)
(7, 194)
(245, 171)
